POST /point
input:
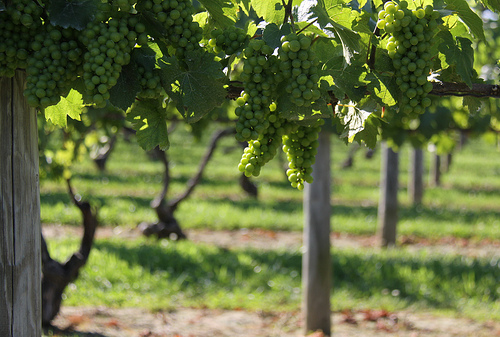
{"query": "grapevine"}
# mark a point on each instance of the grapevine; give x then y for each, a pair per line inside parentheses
(411, 34)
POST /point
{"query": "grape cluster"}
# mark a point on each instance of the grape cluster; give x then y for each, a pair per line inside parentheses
(176, 16)
(108, 49)
(260, 77)
(19, 23)
(298, 64)
(53, 65)
(301, 147)
(150, 83)
(261, 150)
(230, 40)
(411, 33)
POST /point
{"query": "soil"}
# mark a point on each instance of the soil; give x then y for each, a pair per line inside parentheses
(189, 322)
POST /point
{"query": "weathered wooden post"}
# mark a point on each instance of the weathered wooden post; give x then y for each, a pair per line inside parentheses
(388, 202)
(20, 232)
(415, 178)
(316, 260)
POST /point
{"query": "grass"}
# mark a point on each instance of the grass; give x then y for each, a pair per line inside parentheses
(466, 205)
(161, 275)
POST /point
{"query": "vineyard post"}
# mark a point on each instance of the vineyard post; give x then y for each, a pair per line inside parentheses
(388, 201)
(20, 231)
(415, 179)
(316, 259)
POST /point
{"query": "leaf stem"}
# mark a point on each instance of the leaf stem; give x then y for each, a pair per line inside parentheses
(308, 25)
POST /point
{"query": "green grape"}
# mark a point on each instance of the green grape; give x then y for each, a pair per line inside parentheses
(259, 80)
(261, 150)
(108, 50)
(409, 45)
(176, 17)
(302, 70)
(231, 40)
(300, 146)
(150, 83)
(54, 67)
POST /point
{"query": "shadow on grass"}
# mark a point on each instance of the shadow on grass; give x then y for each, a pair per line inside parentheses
(435, 281)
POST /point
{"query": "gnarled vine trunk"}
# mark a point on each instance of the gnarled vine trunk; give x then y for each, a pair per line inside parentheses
(56, 275)
(167, 225)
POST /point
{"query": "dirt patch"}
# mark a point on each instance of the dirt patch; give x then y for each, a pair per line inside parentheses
(188, 322)
(267, 239)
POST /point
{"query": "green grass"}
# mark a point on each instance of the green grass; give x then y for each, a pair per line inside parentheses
(465, 206)
(163, 274)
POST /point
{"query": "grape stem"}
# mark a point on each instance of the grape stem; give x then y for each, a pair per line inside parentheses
(307, 26)
(288, 13)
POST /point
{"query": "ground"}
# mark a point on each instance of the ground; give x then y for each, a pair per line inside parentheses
(189, 322)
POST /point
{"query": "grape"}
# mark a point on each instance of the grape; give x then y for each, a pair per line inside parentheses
(259, 81)
(108, 50)
(55, 65)
(230, 40)
(150, 83)
(19, 23)
(409, 43)
(300, 66)
(261, 150)
(300, 145)
(176, 17)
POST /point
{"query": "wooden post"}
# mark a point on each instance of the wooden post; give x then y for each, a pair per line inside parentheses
(435, 175)
(415, 178)
(316, 260)
(388, 202)
(20, 232)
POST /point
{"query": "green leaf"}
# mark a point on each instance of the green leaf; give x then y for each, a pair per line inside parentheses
(75, 14)
(471, 19)
(70, 105)
(459, 53)
(494, 5)
(473, 103)
(323, 11)
(271, 11)
(223, 12)
(348, 79)
(123, 94)
(353, 119)
(384, 88)
(145, 57)
(272, 34)
(196, 89)
(369, 134)
(149, 120)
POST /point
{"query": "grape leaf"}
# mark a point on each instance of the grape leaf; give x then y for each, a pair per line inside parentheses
(75, 14)
(471, 19)
(384, 88)
(271, 11)
(197, 90)
(494, 5)
(149, 120)
(222, 11)
(71, 106)
(348, 38)
(459, 53)
(145, 57)
(272, 34)
(348, 79)
(122, 95)
(353, 118)
(473, 103)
